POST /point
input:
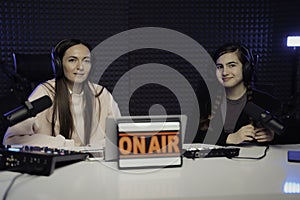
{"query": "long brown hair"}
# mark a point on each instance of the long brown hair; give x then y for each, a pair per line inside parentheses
(62, 100)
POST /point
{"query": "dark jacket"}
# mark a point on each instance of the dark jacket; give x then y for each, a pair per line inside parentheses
(262, 99)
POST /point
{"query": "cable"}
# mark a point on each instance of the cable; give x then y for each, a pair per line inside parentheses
(10, 185)
(253, 158)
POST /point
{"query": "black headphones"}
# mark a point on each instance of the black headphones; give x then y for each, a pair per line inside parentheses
(56, 61)
(249, 66)
(58, 52)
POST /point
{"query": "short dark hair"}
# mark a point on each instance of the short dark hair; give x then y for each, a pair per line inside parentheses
(245, 56)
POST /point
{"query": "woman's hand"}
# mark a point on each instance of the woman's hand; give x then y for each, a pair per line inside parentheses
(263, 135)
(244, 134)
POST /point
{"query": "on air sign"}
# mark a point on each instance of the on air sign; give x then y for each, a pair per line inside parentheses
(150, 144)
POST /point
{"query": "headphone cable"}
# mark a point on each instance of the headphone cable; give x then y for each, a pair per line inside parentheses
(10, 186)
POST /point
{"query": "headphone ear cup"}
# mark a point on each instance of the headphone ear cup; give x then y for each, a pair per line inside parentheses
(247, 72)
(58, 70)
(248, 69)
(57, 65)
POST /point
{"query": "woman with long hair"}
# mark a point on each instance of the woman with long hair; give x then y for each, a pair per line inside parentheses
(78, 114)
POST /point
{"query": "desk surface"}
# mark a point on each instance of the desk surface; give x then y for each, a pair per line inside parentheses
(272, 177)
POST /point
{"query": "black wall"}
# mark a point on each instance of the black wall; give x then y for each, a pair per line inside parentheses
(262, 25)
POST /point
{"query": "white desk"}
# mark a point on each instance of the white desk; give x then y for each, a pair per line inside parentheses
(208, 178)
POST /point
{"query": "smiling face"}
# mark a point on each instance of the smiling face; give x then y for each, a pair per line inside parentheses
(230, 71)
(76, 64)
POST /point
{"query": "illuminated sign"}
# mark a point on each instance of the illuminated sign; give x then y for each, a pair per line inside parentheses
(149, 144)
(293, 41)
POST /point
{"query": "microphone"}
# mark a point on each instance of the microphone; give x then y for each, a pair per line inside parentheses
(29, 109)
(264, 118)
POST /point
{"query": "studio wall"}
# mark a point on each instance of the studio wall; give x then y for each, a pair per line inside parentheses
(262, 25)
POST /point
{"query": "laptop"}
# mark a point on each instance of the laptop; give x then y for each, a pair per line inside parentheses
(111, 152)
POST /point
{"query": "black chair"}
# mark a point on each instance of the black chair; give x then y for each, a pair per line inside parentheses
(35, 68)
(28, 71)
(7, 103)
